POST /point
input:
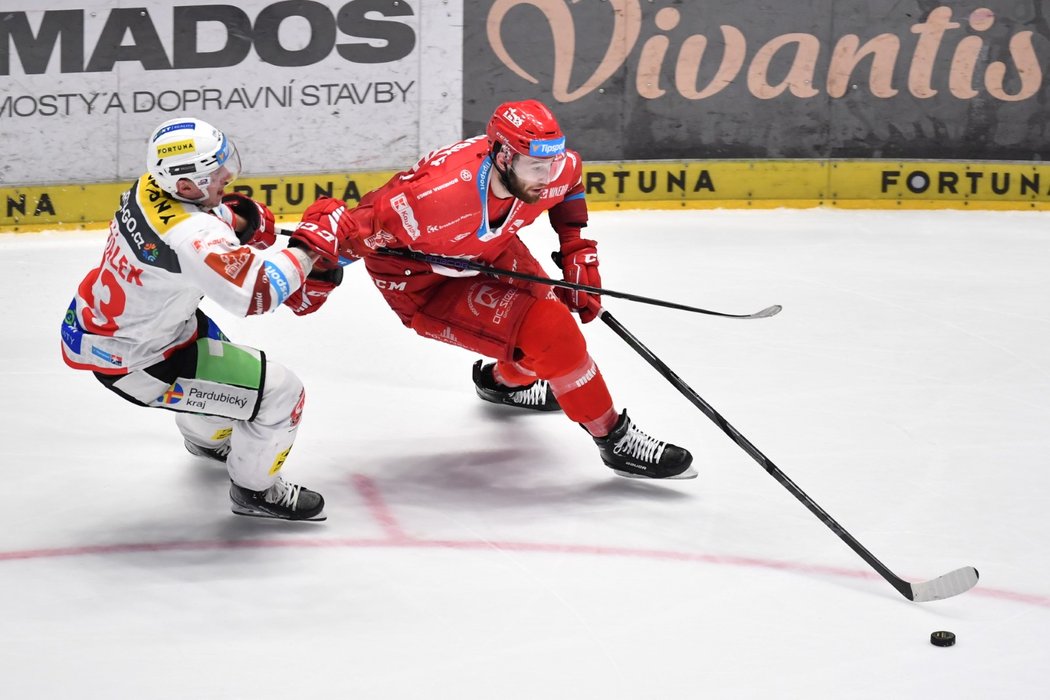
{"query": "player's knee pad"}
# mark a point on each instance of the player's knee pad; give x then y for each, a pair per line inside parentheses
(550, 339)
(283, 397)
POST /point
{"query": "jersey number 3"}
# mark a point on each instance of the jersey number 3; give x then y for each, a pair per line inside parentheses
(109, 285)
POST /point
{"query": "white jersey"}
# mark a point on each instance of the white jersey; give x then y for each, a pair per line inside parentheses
(161, 258)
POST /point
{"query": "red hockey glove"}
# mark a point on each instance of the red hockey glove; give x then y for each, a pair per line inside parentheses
(258, 232)
(326, 229)
(314, 292)
(578, 261)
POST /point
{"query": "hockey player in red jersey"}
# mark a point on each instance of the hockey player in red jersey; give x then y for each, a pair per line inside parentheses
(470, 200)
(176, 238)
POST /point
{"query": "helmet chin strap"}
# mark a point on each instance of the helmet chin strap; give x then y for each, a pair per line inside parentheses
(198, 200)
(187, 200)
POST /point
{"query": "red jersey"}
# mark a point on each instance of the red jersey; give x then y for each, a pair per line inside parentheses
(441, 206)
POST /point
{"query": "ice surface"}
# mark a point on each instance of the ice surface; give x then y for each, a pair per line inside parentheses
(473, 552)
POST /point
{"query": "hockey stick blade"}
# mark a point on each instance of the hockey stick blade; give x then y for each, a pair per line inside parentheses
(767, 312)
(950, 584)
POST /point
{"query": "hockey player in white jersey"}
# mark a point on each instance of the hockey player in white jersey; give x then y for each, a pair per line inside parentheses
(134, 321)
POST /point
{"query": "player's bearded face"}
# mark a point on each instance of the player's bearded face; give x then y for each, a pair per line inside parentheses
(528, 177)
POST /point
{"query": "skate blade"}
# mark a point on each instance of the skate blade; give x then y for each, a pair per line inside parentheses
(689, 473)
(251, 513)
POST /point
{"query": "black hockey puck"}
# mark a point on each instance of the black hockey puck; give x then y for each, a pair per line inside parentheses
(942, 638)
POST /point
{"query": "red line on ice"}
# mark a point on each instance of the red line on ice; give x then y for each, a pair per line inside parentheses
(396, 538)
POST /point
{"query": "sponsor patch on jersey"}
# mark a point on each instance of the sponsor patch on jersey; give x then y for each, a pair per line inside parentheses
(408, 217)
(115, 360)
(154, 213)
(233, 265)
(172, 396)
(434, 228)
(200, 246)
(200, 396)
(379, 239)
(445, 336)
(495, 298)
(482, 295)
(260, 302)
(278, 282)
(72, 332)
(442, 186)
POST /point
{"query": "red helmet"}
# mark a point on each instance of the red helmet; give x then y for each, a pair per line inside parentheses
(526, 127)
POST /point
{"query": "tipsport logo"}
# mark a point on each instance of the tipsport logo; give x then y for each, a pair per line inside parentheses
(172, 396)
(546, 148)
(278, 282)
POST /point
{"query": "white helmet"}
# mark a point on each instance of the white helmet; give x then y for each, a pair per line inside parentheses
(192, 149)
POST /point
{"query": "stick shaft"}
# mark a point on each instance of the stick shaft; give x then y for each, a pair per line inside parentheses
(464, 264)
(903, 587)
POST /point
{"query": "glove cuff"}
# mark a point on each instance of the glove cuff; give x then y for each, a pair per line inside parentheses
(578, 244)
(331, 275)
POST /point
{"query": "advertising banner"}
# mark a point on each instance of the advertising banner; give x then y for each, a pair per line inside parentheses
(655, 79)
(663, 184)
(808, 183)
(302, 86)
(63, 206)
(894, 103)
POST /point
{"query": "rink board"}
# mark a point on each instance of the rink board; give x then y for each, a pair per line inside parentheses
(730, 184)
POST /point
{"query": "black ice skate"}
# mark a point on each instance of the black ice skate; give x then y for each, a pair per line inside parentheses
(219, 454)
(630, 452)
(282, 500)
(535, 397)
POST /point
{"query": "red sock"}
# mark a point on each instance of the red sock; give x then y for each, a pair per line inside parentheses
(556, 351)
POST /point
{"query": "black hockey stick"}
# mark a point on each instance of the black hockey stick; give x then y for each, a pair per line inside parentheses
(464, 264)
(946, 586)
